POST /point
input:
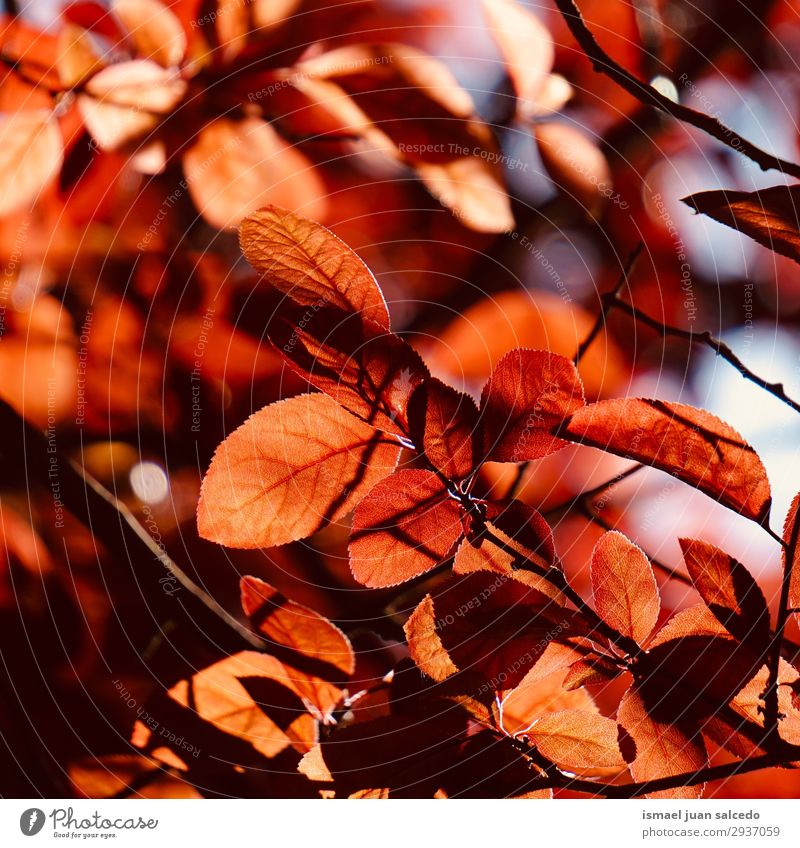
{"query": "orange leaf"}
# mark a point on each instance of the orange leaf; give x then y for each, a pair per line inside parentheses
(527, 546)
(525, 44)
(31, 153)
(237, 696)
(529, 393)
(234, 167)
(791, 532)
(444, 423)
(575, 164)
(624, 586)
(311, 265)
(366, 369)
(492, 624)
(591, 670)
(577, 740)
(471, 345)
(538, 695)
(125, 101)
(770, 216)
(289, 470)
(688, 443)
(424, 644)
(404, 527)
(730, 592)
(295, 626)
(154, 30)
(662, 748)
(118, 775)
(411, 105)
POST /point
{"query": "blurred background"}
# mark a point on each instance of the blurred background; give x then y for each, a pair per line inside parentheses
(494, 203)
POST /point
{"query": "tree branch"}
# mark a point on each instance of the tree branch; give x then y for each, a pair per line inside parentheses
(649, 96)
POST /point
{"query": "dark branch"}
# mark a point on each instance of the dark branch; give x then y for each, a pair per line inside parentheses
(649, 96)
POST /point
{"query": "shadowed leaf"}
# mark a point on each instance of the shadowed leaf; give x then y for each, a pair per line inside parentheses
(445, 424)
(289, 470)
(730, 592)
(662, 748)
(688, 443)
(403, 528)
(295, 626)
(770, 216)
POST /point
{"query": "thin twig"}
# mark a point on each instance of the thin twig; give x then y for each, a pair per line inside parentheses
(717, 345)
(607, 300)
(649, 96)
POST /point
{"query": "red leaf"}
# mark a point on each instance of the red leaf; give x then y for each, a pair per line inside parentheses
(529, 393)
(444, 423)
(577, 740)
(405, 526)
(31, 154)
(770, 216)
(527, 546)
(488, 623)
(525, 44)
(689, 443)
(730, 592)
(289, 624)
(289, 470)
(791, 532)
(367, 370)
(424, 644)
(311, 265)
(591, 670)
(662, 748)
(624, 586)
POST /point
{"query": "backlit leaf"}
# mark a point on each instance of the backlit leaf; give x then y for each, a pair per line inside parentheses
(411, 106)
(290, 469)
(791, 532)
(577, 740)
(495, 625)
(31, 153)
(289, 624)
(525, 43)
(624, 586)
(529, 393)
(662, 748)
(154, 30)
(525, 545)
(688, 443)
(424, 644)
(730, 592)
(405, 526)
(234, 167)
(770, 216)
(369, 371)
(311, 265)
(445, 424)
